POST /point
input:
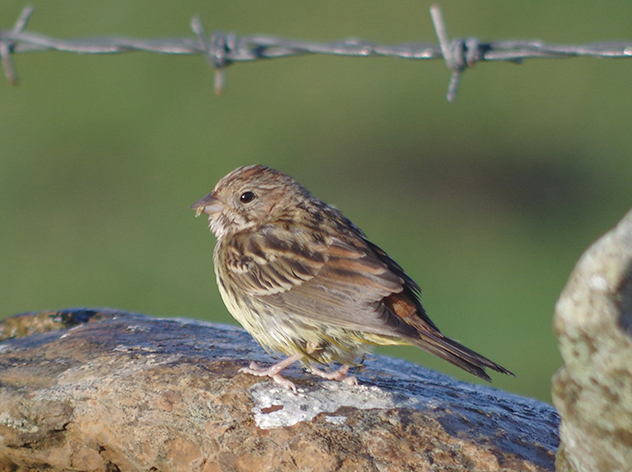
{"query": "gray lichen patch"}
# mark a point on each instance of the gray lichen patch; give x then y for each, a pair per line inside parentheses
(276, 407)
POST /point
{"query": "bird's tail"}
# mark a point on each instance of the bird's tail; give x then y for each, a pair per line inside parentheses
(457, 354)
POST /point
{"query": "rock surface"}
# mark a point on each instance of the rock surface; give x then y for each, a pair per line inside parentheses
(126, 392)
(593, 390)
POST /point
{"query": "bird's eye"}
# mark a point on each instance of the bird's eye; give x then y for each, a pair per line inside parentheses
(247, 197)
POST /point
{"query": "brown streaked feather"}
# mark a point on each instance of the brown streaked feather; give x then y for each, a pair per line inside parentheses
(335, 282)
(457, 354)
(407, 307)
(277, 261)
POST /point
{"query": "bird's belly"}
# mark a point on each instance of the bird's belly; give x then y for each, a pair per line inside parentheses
(281, 332)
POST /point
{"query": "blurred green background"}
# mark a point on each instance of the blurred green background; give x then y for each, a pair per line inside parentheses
(486, 202)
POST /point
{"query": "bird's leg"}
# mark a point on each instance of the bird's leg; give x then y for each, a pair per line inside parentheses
(340, 375)
(273, 371)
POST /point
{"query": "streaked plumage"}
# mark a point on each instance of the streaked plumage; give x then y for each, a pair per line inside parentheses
(306, 282)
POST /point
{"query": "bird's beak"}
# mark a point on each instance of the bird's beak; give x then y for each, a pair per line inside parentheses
(209, 205)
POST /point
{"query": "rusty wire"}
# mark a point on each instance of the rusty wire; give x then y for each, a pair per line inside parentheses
(221, 50)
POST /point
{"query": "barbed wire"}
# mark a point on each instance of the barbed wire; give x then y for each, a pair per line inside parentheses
(221, 50)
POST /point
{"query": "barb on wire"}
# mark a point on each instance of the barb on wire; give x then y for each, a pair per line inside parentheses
(458, 54)
(6, 44)
(221, 50)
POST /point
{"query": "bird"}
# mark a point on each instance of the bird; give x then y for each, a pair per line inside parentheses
(308, 284)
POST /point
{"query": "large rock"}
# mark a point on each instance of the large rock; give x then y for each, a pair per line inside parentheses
(593, 390)
(125, 392)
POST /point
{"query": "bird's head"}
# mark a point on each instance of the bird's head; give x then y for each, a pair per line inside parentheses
(249, 197)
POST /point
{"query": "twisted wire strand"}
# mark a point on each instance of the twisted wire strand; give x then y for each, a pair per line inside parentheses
(221, 49)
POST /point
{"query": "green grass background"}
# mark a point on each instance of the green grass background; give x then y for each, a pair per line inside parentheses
(486, 202)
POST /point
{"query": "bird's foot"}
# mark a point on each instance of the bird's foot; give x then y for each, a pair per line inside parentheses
(340, 375)
(273, 372)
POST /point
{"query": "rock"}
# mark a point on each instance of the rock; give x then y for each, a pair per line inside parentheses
(126, 392)
(593, 390)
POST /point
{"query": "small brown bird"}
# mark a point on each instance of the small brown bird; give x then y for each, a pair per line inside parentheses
(305, 282)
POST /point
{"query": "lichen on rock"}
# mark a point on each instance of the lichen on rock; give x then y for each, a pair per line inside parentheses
(593, 390)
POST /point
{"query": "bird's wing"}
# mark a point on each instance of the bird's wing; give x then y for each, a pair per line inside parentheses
(349, 284)
(324, 279)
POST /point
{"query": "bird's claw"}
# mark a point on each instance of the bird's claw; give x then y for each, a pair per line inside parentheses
(352, 381)
(339, 375)
(272, 372)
